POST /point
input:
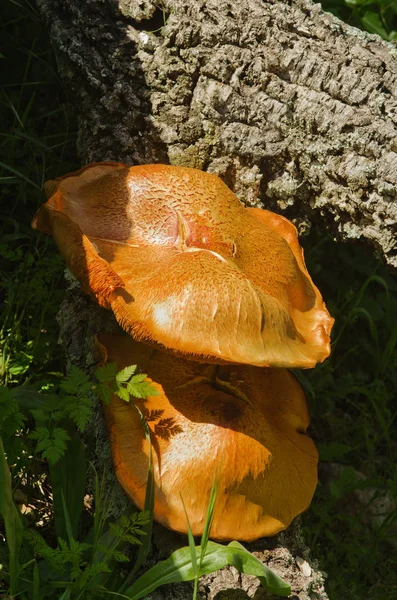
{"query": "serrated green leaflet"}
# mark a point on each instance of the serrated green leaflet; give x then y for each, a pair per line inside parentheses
(179, 567)
(107, 373)
(125, 374)
(123, 394)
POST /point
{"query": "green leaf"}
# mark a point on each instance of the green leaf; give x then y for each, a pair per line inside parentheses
(21, 365)
(116, 530)
(131, 539)
(120, 557)
(68, 477)
(123, 394)
(142, 389)
(39, 415)
(107, 373)
(332, 451)
(138, 378)
(125, 521)
(247, 563)
(11, 421)
(144, 517)
(79, 410)
(52, 444)
(372, 23)
(36, 582)
(103, 392)
(192, 547)
(12, 520)
(91, 572)
(125, 374)
(5, 395)
(31, 399)
(68, 525)
(179, 567)
(209, 517)
(75, 381)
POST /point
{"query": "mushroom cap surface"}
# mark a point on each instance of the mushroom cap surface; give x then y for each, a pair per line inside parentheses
(182, 263)
(247, 424)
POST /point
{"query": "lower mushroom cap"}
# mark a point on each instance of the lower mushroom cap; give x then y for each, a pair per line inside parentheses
(247, 424)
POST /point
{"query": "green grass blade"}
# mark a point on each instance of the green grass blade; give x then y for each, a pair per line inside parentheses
(371, 324)
(12, 520)
(193, 554)
(36, 582)
(101, 513)
(209, 518)
(68, 525)
(20, 175)
(192, 545)
(389, 350)
(144, 549)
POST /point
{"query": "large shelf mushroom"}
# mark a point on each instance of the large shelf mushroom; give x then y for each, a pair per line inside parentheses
(186, 268)
(183, 264)
(246, 423)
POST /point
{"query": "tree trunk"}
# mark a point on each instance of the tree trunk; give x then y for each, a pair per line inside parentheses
(295, 110)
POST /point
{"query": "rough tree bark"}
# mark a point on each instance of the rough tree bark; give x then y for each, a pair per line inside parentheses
(295, 110)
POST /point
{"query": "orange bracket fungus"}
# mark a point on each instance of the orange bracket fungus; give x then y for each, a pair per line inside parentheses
(183, 264)
(247, 423)
(217, 290)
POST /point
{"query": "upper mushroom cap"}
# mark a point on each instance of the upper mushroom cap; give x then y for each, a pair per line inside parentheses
(248, 425)
(182, 263)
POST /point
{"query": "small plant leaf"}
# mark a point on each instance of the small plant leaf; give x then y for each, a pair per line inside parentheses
(179, 567)
(123, 394)
(52, 444)
(373, 23)
(120, 557)
(104, 393)
(125, 374)
(76, 382)
(332, 451)
(107, 373)
(141, 389)
(80, 411)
